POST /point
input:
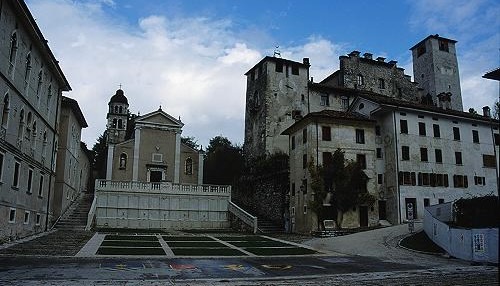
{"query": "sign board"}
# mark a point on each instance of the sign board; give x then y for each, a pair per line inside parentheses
(411, 224)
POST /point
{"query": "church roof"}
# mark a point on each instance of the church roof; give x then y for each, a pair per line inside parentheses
(119, 97)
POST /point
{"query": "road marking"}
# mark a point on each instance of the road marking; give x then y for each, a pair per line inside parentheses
(277, 266)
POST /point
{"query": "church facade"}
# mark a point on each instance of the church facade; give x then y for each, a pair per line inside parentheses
(148, 148)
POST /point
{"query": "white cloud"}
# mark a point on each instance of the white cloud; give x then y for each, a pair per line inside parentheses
(193, 67)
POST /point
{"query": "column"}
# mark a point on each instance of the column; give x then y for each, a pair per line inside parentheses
(109, 163)
(137, 143)
(177, 163)
(200, 167)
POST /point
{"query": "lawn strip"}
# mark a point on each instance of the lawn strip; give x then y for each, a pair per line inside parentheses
(243, 238)
(271, 251)
(196, 244)
(207, 251)
(131, 243)
(130, 251)
(270, 243)
(131, 237)
(187, 238)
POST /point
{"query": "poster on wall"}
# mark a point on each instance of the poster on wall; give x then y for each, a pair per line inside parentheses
(478, 242)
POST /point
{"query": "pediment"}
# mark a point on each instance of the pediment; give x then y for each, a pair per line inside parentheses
(159, 118)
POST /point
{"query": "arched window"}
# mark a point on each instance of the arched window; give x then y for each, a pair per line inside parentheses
(13, 48)
(189, 166)
(33, 145)
(5, 110)
(21, 124)
(361, 79)
(116, 109)
(114, 123)
(121, 110)
(27, 71)
(120, 124)
(28, 126)
(39, 83)
(123, 161)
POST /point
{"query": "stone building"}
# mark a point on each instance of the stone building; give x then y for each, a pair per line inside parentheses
(315, 137)
(31, 86)
(148, 148)
(435, 68)
(73, 164)
(380, 92)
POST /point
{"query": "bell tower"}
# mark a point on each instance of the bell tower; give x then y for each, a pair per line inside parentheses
(117, 118)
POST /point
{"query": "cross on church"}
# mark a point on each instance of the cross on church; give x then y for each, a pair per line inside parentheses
(120, 85)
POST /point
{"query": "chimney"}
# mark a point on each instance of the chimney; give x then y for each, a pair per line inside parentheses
(486, 111)
(393, 62)
(306, 61)
(368, 56)
(312, 79)
(381, 59)
(444, 100)
(354, 54)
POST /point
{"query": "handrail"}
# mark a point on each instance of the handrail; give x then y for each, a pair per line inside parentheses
(243, 215)
(90, 217)
(161, 187)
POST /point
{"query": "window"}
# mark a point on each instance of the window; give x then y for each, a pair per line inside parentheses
(304, 186)
(379, 153)
(439, 155)
(17, 167)
(443, 46)
(458, 158)
(292, 190)
(456, 133)
(421, 129)
(188, 169)
(324, 100)
(497, 139)
(381, 83)
(38, 216)
(13, 48)
(361, 106)
(489, 161)
(423, 155)
(279, 66)
(361, 79)
(295, 69)
(433, 180)
(39, 83)
(407, 178)
(377, 130)
(293, 142)
(40, 185)
(481, 181)
(460, 181)
(327, 159)
(12, 215)
(421, 50)
(26, 217)
(120, 124)
(360, 136)
(380, 179)
(405, 150)
(475, 136)
(361, 159)
(403, 126)
(437, 133)
(345, 102)
(123, 161)
(27, 70)
(305, 209)
(326, 134)
(440, 201)
(30, 181)
(304, 135)
(157, 157)
(114, 123)
(5, 111)
(304, 161)
(426, 202)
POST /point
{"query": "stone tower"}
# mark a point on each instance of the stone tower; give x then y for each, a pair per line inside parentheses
(276, 95)
(435, 68)
(117, 118)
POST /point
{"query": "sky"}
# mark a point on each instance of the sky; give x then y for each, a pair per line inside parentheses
(190, 57)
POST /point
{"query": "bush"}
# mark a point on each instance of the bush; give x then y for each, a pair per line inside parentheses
(479, 212)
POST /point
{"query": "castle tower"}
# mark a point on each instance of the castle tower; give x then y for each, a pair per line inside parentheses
(277, 94)
(117, 117)
(435, 68)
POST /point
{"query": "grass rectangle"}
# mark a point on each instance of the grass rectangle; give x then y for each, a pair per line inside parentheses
(207, 251)
(267, 243)
(280, 251)
(131, 237)
(130, 251)
(187, 238)
(197, 244)
(244, 238)
(130, 243)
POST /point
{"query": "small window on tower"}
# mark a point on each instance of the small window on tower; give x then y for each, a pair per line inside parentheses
(443, 46)
(421, 50)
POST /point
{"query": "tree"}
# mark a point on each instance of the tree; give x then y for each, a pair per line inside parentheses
(190, 141)
(472, 111)
(345, 180)
(496, 110)
(99, 156)
(223, 162)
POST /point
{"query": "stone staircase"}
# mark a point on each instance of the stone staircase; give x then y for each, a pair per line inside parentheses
(266, 226)
(67, 237)
(75, 217)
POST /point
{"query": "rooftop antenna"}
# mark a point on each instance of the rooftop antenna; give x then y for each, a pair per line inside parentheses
(277, 53)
